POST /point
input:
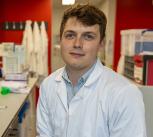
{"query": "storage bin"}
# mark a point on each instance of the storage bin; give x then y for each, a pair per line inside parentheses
(135, 41)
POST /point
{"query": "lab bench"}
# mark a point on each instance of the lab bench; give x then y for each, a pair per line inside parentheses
(9, 115)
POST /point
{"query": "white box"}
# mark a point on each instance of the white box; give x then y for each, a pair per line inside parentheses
(14, 60)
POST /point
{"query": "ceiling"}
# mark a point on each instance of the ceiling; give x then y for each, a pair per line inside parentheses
(58, 3)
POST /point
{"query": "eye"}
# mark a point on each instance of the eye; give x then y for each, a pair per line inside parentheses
(89, 37)
(69, 36)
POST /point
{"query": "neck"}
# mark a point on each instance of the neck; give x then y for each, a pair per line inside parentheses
(75, 74)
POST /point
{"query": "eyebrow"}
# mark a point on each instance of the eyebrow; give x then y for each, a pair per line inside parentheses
(69, 31)
(90, 32)
(86, 32)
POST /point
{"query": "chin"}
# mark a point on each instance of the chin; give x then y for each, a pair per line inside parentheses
(74, 65)
(78, 67)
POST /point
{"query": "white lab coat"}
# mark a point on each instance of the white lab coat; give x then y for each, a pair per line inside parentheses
(27, 41)
(106, 106)
(44, 38)
(38, 49)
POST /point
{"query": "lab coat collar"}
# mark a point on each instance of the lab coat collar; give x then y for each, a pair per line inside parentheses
(59, 78)
(95, 74)
(92, 78)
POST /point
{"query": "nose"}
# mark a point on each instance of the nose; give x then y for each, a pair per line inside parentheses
(78, 43)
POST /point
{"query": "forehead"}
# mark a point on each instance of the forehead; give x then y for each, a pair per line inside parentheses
(75, 25)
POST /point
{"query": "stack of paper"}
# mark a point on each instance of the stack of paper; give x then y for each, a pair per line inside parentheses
(17, 76)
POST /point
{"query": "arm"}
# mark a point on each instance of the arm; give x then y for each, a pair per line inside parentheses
(127, 114)
(44, 128)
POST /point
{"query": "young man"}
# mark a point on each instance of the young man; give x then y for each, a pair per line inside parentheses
(85, 98)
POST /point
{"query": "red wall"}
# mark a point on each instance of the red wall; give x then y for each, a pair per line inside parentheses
(22, 10)
(131, 14)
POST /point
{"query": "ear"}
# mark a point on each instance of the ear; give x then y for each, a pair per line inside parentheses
(60, 41)
(102, 43)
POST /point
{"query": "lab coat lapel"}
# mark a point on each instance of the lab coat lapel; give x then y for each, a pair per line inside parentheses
(62, 93)
(86, 89)
(61, 90)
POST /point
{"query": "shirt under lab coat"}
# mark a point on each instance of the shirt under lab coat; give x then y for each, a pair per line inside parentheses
(106, 106)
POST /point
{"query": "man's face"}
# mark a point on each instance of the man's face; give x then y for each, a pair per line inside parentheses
(80, 44)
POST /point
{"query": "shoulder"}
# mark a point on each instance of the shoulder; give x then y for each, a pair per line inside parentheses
(115, 81)
(118, 88)
(124, 105)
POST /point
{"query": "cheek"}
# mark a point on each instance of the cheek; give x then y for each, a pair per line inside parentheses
(64, 50)
(65, 45)
(91, 49)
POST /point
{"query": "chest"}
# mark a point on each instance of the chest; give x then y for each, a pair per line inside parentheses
(86, 115)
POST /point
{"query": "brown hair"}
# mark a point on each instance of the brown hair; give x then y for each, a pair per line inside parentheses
(88, 15)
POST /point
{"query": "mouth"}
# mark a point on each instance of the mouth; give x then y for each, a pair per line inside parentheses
(75, 54)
